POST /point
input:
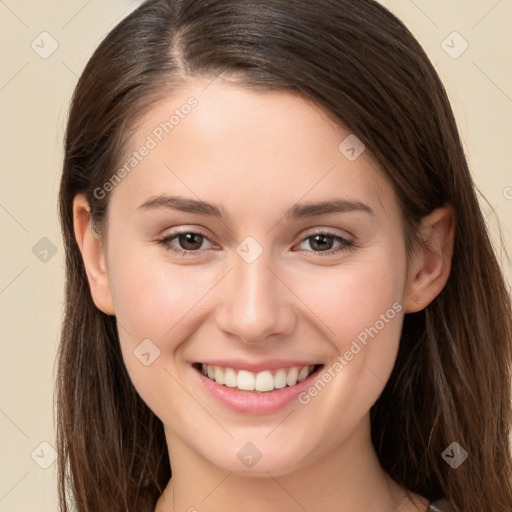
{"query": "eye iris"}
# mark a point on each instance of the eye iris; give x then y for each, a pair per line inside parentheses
(321, 246)
(188, 238)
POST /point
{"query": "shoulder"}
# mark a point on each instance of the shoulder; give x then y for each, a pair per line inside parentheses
(439, 506)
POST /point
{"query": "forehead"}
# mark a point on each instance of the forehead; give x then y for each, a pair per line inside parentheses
(248, 151)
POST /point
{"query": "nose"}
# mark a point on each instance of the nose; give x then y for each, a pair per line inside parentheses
(256, 306)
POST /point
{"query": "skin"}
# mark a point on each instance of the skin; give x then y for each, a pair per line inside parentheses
(256, 155)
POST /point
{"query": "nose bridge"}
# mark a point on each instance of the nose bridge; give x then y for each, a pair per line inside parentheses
(255, 305)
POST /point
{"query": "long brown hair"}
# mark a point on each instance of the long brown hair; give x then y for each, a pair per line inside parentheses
(452, 378)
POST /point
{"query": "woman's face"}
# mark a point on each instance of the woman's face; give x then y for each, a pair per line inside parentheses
(267, 285)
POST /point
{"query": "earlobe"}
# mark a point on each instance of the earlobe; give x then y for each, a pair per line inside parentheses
(93, 257)
(430, 268)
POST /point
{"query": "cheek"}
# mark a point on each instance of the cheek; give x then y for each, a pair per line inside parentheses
(153, 298)
(361, 312)
(362, 304)
(154, 301)
(352, 297)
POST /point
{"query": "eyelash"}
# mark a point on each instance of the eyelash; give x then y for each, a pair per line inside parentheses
(345, 244)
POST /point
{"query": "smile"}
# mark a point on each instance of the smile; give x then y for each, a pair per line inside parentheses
(263, 381)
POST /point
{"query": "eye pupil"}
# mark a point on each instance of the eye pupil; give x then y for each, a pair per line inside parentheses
(322, 246)
(188, 238)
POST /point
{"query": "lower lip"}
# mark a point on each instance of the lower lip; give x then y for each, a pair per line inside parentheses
(254, 402)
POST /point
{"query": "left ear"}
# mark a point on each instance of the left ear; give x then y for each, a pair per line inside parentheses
(430, 267)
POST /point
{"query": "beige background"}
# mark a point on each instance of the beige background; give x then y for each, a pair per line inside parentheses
(34, 98)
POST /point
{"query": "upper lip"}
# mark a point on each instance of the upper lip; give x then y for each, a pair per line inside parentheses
(257, 366)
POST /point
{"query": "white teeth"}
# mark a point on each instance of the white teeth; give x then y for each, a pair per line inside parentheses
(291, 378)
(280, 379)
(219, 375)
(245, 380)
(262, 381)
(230, 379)
(304, 372)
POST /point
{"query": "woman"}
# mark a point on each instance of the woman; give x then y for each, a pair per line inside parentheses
(279, 280)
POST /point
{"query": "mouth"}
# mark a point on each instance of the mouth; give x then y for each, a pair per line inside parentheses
(266, 381)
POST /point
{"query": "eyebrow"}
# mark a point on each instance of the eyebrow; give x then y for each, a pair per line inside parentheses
(297, 211)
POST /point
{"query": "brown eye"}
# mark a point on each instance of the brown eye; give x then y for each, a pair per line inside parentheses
(190, 241)
(184, 242)
(322, 243)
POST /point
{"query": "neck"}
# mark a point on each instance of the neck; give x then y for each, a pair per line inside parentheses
(349, 478)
